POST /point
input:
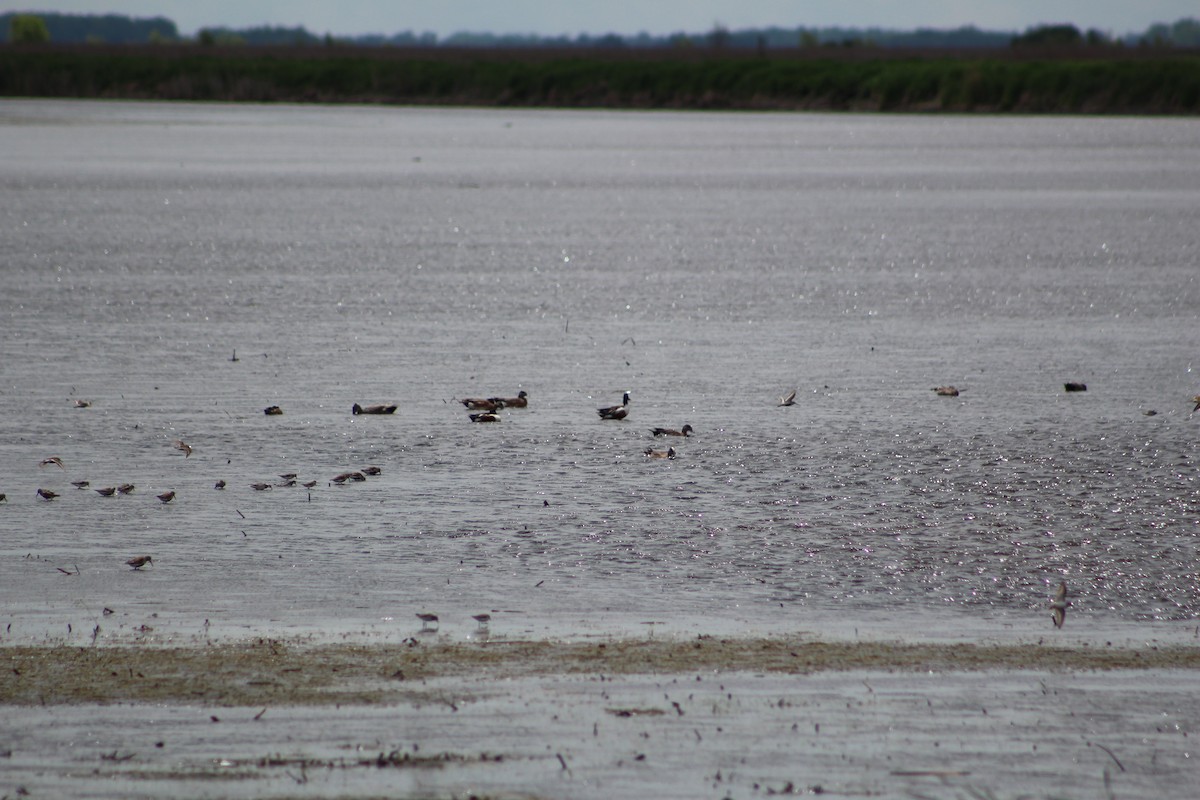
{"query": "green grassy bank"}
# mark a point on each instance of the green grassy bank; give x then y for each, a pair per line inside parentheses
(927, 82)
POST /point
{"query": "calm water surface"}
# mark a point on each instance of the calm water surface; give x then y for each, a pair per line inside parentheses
(706, 263)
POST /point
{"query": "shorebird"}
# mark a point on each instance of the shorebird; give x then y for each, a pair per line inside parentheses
(287, 484)
(184, 446)
(260, 487)
(371, 471)
(288, 476)
(46, 494)
(166, 497)
(137, 562)
(1196, 400)
(55, 460)
(652, 453)
(272, 411)
(484, 416)
(309, 484)
(788, 399)
(946, 391)
(342, 478)
(107, 491)
(482, 619)
(615, 412)
(1058, 607)
(376, 409)
(126, 488)
(82, 403)
(684, 431)
(219, 485)
(520, 401)
(429, 622)
(81, 484)
(1072, 386)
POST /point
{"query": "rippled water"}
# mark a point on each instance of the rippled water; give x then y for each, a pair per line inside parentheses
(706, 263)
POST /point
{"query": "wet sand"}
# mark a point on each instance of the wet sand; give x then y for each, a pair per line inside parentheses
(674, 718)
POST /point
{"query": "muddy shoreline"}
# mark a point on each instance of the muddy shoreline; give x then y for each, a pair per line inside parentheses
(276, 672)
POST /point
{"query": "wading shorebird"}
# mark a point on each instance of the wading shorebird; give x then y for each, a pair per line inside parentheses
(260, 487)
(219, 485)
(46, 494)
(429, 622)
(945, 391)
(482, 619)
(788, 399)
(356, 409)
(107, 491)
(1196, 400)
(371, 471)
(684, 431)
(309, 484)
(83, 403)
(484, 416)
(137, 562)
(520, 401)
(288, 476)
(126, 488)
(652, 453)
(81, 484)
(55, 460)
(615, 412)
(183, 446)
(272, 411)
(1058, 607)
(166, 497)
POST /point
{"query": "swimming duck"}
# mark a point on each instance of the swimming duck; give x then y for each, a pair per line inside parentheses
(484, 416)
(272, 411)
(652, 453)
(615, 412)
(483, 403)
(1073, 386)
(684, 431)
(376, 409)
(520, 401)
(946, 391)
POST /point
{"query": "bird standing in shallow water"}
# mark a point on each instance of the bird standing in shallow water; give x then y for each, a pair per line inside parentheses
(166, 497)
(615, 412)
(46, 494)
(1058, 607)
(81, 484)
(429, 622)
(219, 485)
(107, 491)
(483, 620)
(126, 488)
(137, 562)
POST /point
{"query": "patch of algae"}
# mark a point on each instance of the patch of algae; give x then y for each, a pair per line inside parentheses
(274, 672)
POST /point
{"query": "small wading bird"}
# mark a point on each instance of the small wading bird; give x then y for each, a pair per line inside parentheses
(946, 391)
(46, 494)
(219, 485)
(166, 497)
(788, 399)
(55, 460)
(429, 622)
(356, 409)
(652, 453)
(272, 411)
(1058, 607)
(107, 491)
(126, 488)
(371, 471)
(483, 403)
(684, 431)
(482, 619)
(288, 476)
(82, 403)
(615, 412)
(182, 446)
(260, 487)
(81, 484)
(309, 484)
(484, 416)
(520, 401)
(137, 562)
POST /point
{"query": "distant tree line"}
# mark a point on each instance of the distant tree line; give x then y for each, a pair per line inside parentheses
(118, 29)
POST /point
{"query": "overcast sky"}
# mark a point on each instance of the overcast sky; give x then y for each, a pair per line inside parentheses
(553, 17)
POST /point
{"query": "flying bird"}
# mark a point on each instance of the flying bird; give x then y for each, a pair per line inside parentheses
(788, 399)
(184, 446)
(55, 460)
(615, 412)
(1058, 607)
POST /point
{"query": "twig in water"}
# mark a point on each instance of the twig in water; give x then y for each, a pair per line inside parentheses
(1110, 754)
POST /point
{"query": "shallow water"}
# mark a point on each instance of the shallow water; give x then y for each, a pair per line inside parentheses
(706, 263)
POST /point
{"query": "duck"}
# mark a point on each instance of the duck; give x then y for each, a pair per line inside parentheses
(788, 399)
(945, 391)
(1074, 386)
(652, 453)
(520, 401)
(483, 403)
(273, 411)
(356, 409)
(484, 416)
(615, 412)
(684, 431)
(372, 470)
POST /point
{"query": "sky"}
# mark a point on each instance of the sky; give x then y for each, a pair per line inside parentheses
(572, 17)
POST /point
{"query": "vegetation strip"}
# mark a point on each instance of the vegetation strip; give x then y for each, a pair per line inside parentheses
(274, 673)
(1133, 83)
